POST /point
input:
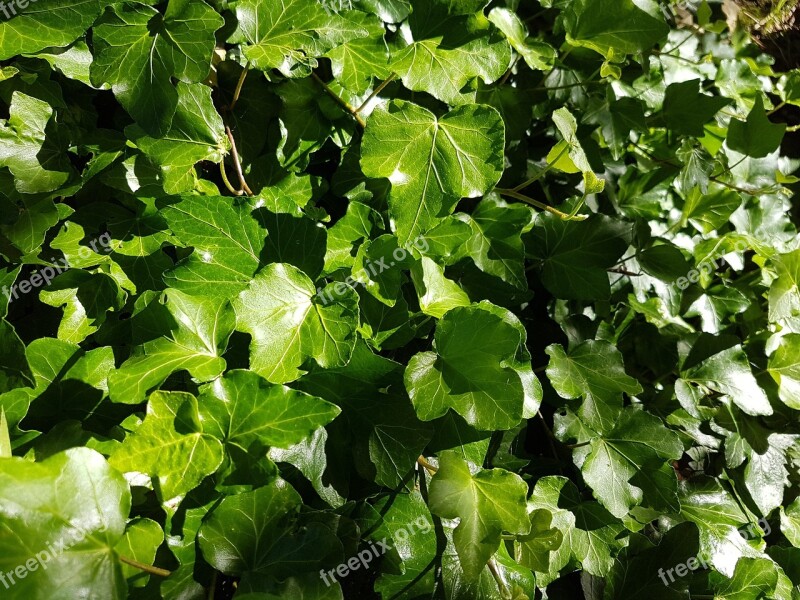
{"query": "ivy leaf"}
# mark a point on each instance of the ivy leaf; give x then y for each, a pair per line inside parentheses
(784, 366)
(532, 549)
(784, 293)
(254, 532)
(627, 465)
(758, 136)
(169, 447)
(290, 34)
(473, 370)
(196, 134)
(432, 162)
(290, 323)
(358, 62)
(487, 502)
(594, 370)
(69, 512)
(574, 255)
(453, 46)
(686, 109)
(48, 23)
(496, 244)
(29, 149)
(589, 531)
(728, 372)
(614, 28)
(539, 55)
(227, 241)
(196, 344)
(753, 578)
(437, 294)
(244, 410)
(138, 50)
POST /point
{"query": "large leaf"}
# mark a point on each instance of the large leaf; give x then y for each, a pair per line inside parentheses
(290, 323)
(61, 520)
(475, 370)
(138, 50)
(432, 162)
(486, 502)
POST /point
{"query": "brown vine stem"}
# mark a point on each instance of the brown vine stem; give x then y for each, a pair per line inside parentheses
(376, 91)
(236, 163)
(428, 466)
(340, 101)
(243, 187)
(146, 568)
(539, 205)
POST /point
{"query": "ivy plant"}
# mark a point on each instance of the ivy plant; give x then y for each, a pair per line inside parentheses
(397, 299)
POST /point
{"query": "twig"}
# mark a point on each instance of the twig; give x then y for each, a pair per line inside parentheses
(428, 466)
(623, 272)
(239, 85)
(339, 100)
(226, 181)
(146, 568)
(237, 165)
(376, 91)
(540, 205)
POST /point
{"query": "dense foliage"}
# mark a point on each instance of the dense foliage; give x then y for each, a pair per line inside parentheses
(396, 299)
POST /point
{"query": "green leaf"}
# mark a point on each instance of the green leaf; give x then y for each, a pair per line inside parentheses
(753, 578)
(574, 255)
(140, 543)
(496, 244)
(532, 549)
(290, 35)
(28, 29)
(758, 136)
(595, 371)
(244, 410)
(30, 150)
(169, 447)
(138, 50)
(487, 502)
(196, 134)
(453, 47)
(290, 323)
(589, 531)
(227, 242)
(432, 162)
(614, 28)
(728, 372)
(5, 440)
(62, 519)
(539, 55)
(784, 366)
(474, 370)
(358, 62)
(196, 343)
(686, 109)
(784, 292)
(627, 466)
(436, 293)
(255, 532)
